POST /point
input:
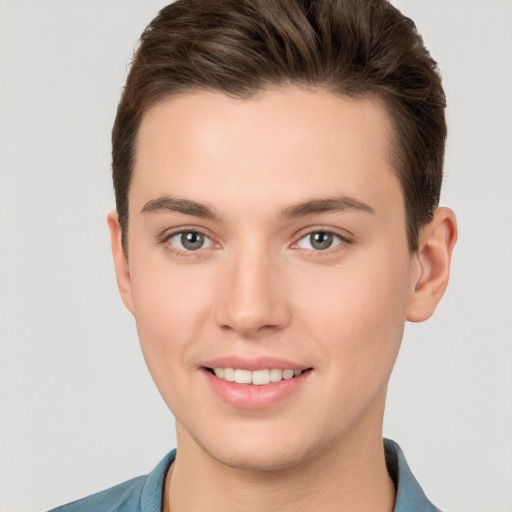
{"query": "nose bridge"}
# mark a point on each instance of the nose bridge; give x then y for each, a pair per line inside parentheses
(252, 301)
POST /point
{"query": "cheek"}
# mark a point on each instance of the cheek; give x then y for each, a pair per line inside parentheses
(357, 314)
(171, 308)
(166, 294)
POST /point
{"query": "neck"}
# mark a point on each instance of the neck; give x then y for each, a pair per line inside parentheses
(350, 476)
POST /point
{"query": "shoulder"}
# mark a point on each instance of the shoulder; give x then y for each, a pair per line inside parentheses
(135, 495)
(125, 496)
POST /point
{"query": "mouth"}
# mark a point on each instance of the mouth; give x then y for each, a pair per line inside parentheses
(261, 377)
(256, 383)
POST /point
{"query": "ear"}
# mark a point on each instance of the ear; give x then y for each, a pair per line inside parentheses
(120, 261)
(432, 270)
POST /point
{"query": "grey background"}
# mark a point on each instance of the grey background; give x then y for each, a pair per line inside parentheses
(79, 411)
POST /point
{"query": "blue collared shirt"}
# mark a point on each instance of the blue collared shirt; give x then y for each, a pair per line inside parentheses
(409, 495)
(144, 493)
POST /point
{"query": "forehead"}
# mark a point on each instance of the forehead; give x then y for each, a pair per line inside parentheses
(281, 142)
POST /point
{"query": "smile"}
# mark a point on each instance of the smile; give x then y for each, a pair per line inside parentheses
(255, 377)
(255, 384)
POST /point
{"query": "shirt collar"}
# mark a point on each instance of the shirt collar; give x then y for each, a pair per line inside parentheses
(409, 495)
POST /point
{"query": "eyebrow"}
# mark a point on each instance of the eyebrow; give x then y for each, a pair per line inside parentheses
(302, 209)
(325, 205)
(176, 204)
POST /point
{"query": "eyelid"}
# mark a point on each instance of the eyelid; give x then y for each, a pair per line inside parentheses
(165, 237)
(344, 238)
(207, 241)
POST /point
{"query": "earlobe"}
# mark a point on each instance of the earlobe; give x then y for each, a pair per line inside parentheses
(433, 257)
(120, 261)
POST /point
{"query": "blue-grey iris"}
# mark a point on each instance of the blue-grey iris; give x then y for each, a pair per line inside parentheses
(192, 240)
(321, 240)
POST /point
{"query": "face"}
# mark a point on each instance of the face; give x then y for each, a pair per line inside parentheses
(267, 239)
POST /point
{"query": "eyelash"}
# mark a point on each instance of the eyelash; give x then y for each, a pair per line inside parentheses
(343, 241)
(185, 253)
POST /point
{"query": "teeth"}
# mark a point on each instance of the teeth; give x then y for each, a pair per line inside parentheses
(276, 375)
(260, 377)
(243, 376)
(287, 374)
(256, 377)
(229, 374)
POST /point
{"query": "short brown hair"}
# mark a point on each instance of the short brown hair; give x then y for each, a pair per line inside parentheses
(355, 48)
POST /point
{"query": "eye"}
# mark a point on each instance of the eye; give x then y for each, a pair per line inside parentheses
(189, 241)
(320, 241)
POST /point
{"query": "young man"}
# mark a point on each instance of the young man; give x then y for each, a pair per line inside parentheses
(277, 168)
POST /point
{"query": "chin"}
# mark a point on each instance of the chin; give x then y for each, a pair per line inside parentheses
(260, 453)
(259, 459)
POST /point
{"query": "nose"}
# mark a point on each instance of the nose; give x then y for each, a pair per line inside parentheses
(253, 299)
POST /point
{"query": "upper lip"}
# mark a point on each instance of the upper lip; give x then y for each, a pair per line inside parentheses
(257, 363)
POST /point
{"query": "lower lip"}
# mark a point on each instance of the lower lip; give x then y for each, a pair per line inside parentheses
(251, 396)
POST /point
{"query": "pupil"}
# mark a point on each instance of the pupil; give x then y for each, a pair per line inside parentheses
(321, 240)
(191, 240)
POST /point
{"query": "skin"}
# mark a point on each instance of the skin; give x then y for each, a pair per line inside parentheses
(259, 288)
